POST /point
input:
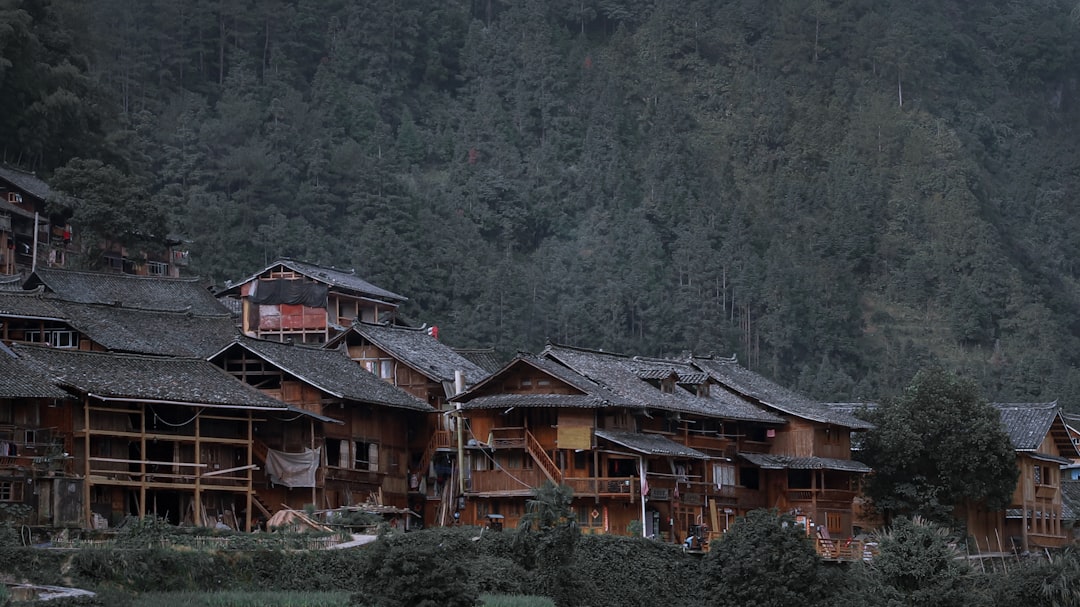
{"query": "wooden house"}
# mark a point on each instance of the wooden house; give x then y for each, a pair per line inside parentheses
(22, 213)
(307, 303)
(807, 467)
(34, 467)
(1036, 516)
(113, 312)
(414, 360)
(600, 422)
(153, 435)
(23, 225)
(357, 443)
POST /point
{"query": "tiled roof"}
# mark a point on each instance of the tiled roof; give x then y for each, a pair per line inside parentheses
(787, 462)
(649, 444)
(151, 332)
(620, 374)
(485, 358)
(11, 283)
(27, 182)
(770, 394)
(341, 279)
(420, 351)
(29, 304)
(17, 380)
(140, 292)
(1070, 500)
(499, 401)
(138, 377)
(1027, 423)
(330, 371)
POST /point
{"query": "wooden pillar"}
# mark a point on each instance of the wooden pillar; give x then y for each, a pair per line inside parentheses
(250, 471)
(142, 465)
(197, 470)
(87, 518)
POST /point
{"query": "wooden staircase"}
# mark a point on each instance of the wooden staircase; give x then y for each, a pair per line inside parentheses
(541, 458)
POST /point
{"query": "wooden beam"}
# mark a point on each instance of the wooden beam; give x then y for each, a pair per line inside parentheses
(142, 461)
(228, 470)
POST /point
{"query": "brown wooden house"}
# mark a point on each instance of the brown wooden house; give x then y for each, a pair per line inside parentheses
(307, 303)
(153, 435)
(415, 361)
(357, 441)
(1036, 517)
(807, 468)
(597, 421)
(35, 469)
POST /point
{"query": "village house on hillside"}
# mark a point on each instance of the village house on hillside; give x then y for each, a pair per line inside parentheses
(615, 428)
(307, 303)
(31, 239)
(1037, 515)
(143, 329)
(362, 432)
(414, 360)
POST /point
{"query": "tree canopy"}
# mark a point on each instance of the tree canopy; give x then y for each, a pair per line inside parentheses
(841, 192)
(764, 560)
(937, 446)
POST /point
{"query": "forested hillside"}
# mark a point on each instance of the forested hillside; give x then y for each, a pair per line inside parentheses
(840, 191)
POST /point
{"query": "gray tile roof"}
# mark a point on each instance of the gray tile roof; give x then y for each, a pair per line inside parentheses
(485, 358)
(786, 462)
(11, 283)
(771, 394)
(501, 401)
(1028, 423)
(140, 292)
(139, 377)
(1070, 500)
(18, 380)
(151, 332)
(422, 352)
(649, 444)
(330, 371)
(342, 280)
(27, 182)
(30, 304)
(620, 374)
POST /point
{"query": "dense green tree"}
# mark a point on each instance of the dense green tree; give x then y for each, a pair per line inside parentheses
(936, 447)
(917, 565)
(549, 534)
(764, 560)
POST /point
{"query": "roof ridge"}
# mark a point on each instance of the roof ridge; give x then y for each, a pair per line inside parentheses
(193, 279)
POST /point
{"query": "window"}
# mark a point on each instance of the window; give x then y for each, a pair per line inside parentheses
(1037, 475)
(749, 478)
(11, 491)
(386, 369)
(724, 475)
(57, 338)
(366, 456)
(157, 268)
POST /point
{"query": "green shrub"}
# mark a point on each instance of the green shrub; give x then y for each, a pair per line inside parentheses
(520, 600)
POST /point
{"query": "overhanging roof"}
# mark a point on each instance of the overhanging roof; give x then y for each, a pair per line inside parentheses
(786, 462)
(649, 444)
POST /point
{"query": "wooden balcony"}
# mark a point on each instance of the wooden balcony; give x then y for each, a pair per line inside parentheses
(605, 486)
(518, 481)
(821, 495)
(507, 438)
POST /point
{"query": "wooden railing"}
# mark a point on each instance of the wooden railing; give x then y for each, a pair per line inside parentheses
(823, 495)
(517, 481)
(507, 438)
(848, 550)
(604, 486)
(541, 458)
